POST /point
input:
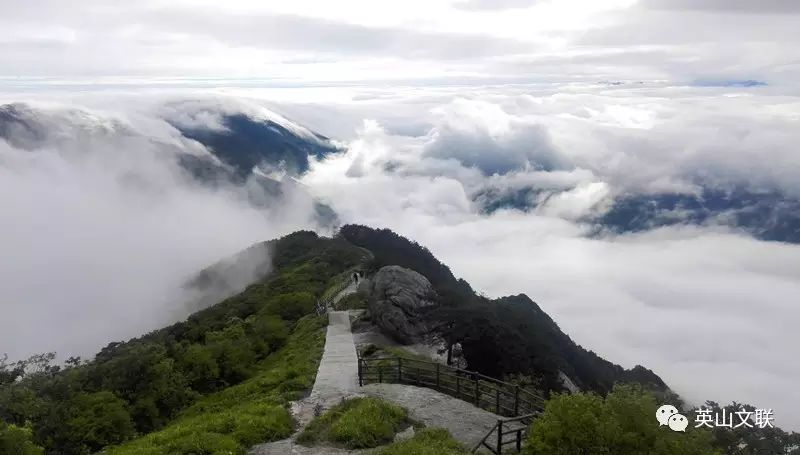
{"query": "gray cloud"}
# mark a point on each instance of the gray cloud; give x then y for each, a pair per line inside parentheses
(93, 38)
(298, 32)
(46, 38)
(483, 5)
(736, 6)
(727, 33)
(482, 136)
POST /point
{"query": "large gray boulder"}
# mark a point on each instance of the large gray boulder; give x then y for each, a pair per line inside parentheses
(396, 298)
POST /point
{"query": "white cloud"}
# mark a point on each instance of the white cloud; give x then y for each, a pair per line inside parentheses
(418, 42)
(576, 203)
(482, 135)
(709, 309)
(102, 230)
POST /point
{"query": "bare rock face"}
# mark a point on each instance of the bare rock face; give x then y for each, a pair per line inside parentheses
(396, 297)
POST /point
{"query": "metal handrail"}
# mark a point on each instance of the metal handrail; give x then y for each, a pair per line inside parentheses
(483, 391)
(498, 428)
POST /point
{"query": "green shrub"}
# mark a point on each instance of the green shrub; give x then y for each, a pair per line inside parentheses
(200, 367)
(354, 301)
(255, 411)
(369, 424)
(621, 423)
(99, 419)
(291, 306)
(233, 352)
(428, 441)
(17, 440)
(270, 329)
(356, 424)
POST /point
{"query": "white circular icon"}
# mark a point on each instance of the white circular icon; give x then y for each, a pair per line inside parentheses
(678, 422)
(664, 413)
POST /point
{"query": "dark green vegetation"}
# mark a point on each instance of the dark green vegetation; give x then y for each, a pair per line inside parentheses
(234, 419)
(511, 338)
(428, 441)
(621, 423)
(220, 381)
(373, 351)
(500, 337)
(358, 423)
(354, 301)
(18, 441)
(183, 375)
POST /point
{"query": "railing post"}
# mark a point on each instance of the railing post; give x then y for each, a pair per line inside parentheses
(519, 440)
(400, 370)
(477, 391)
(516, 400)
(360, 373)
(499, 436)
(437, 376)
(497, 400)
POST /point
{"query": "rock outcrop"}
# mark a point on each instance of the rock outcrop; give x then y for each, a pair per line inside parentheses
(396, 298)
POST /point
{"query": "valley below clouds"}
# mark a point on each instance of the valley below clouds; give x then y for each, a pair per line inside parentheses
(511, 187)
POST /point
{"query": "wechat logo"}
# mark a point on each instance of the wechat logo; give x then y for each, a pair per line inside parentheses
(668, 415)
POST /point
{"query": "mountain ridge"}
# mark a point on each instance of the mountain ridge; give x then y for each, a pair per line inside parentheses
(224, 377)
(531, 342)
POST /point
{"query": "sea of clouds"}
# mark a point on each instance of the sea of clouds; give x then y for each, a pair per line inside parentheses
(100, 228)
(709, 308)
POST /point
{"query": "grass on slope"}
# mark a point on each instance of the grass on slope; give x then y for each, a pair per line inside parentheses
(255, 411)
(420, 363)
(337, 283)
(428, 441)
(354, 301)
(375, 351)
(358, 423)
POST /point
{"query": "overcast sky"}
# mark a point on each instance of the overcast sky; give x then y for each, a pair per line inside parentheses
(436, 101)
(425, 41)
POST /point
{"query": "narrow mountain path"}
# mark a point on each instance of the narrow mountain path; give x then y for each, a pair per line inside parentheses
(337, 379)
(351, 288)
(289, 447)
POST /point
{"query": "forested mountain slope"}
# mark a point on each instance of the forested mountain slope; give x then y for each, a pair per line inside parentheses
(222, 380)
(184, 377)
